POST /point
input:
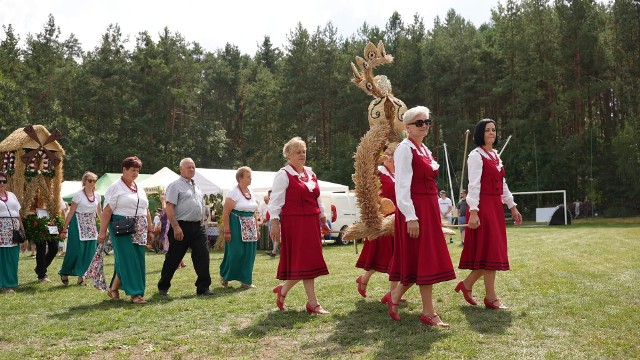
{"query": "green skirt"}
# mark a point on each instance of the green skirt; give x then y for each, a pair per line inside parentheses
(129, 262)
(239, 256)
(9, 266)
(79, 253)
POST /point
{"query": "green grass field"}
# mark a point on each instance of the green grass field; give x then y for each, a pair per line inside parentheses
(573, 293)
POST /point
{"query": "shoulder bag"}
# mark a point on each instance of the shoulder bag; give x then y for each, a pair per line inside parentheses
(18, 236)
(127, 225)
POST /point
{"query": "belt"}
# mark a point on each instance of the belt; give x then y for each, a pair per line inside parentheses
(189, 222)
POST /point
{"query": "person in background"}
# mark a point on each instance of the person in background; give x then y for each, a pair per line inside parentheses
(485, 250)
(45, 253)
(82, 231)
(295, 209)
(267, 217)
(62, 245)
(9, 251)
(240, 232)
(186, 213)
(446, 206)
(420, 256)
(376, 253)
(123, 199)
(462, 213)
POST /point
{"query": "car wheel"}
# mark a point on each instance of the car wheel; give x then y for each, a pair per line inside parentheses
(340, 240)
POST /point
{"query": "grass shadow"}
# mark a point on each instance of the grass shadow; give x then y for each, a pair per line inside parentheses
(275, 322)
(369, 326)
(486, 321)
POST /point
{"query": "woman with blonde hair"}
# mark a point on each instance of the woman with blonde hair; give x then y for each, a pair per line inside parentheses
(82, 231)
(240, 232)
(125, 199)
(297, 221)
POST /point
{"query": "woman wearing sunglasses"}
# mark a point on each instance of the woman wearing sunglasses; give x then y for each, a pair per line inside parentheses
(9, 251)
(420, 253)
(82, 231)
(485, 248)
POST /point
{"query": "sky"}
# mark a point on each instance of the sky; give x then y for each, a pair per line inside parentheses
(213, 23)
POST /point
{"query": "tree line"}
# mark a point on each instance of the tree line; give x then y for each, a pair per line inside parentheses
(562, 78)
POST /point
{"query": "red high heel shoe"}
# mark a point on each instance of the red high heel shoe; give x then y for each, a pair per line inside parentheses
(316, 309)
(429, 320)
(491, 304)
(387, 300)
(362, 292)
(279, 297)
(466, 293)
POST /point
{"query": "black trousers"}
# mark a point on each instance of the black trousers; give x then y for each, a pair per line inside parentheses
(44, 257)
(195, 237)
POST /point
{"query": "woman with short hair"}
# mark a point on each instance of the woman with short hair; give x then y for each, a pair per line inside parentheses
(420, 253)
(297, 221)
(82, 231)
(125, 199)
(240, 232)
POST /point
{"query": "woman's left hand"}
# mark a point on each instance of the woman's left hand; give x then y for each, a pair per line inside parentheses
(324, 229)
(517, 217)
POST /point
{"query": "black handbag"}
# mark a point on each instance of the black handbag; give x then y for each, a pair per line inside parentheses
(18, 236)
(125, 226)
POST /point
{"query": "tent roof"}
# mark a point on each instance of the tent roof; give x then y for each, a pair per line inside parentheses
(261, 181)
(69, 188)
(162, 178)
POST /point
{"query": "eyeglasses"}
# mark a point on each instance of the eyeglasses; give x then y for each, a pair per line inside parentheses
(419, 123)
(91, 180)
(3, 181)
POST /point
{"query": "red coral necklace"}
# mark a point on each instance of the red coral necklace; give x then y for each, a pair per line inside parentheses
(5, 198)
(93, 195)
(492, 156)
(245, 194)
(133, 189)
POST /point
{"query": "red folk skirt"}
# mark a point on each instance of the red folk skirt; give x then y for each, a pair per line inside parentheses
(424, 260)
(376, 254)
(486, 247)
(300, 248)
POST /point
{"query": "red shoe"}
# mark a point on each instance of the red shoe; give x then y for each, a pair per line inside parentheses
(466, 293)
(387, 300)
(429, 320)
(316, 309)
(362, 292)
(491, 304)
(279, 297)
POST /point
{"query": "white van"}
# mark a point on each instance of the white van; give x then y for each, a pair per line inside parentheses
(342, 210)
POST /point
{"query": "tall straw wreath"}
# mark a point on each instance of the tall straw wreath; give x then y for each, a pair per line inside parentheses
(385, 120)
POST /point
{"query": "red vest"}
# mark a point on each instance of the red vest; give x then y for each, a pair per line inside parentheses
(492, 179)
(424, 177)
(298, 200)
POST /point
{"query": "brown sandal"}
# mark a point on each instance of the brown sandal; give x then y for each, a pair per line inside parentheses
(138, 299)
(113, 294)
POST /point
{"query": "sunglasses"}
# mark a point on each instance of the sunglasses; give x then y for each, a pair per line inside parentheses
(91, 180)
(419, 123)
(3, 181)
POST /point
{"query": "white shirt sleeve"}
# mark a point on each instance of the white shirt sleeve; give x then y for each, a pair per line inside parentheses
(403, 158)
(278, 192)
(474, 165)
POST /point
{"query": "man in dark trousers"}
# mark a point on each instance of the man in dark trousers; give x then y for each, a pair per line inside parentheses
(185, 212)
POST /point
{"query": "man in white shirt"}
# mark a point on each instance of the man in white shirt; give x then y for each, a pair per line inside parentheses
(446, 207)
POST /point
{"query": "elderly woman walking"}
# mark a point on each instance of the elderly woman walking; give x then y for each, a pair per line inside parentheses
(124, 199)
(82, 231)
(240, 232)
(297, 220)
(420, 254)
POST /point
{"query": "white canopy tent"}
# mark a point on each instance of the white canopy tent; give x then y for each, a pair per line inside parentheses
(213, 181)
(69, 188)
(161, 179)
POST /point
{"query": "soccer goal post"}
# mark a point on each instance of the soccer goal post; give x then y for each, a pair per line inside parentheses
(564, 198)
